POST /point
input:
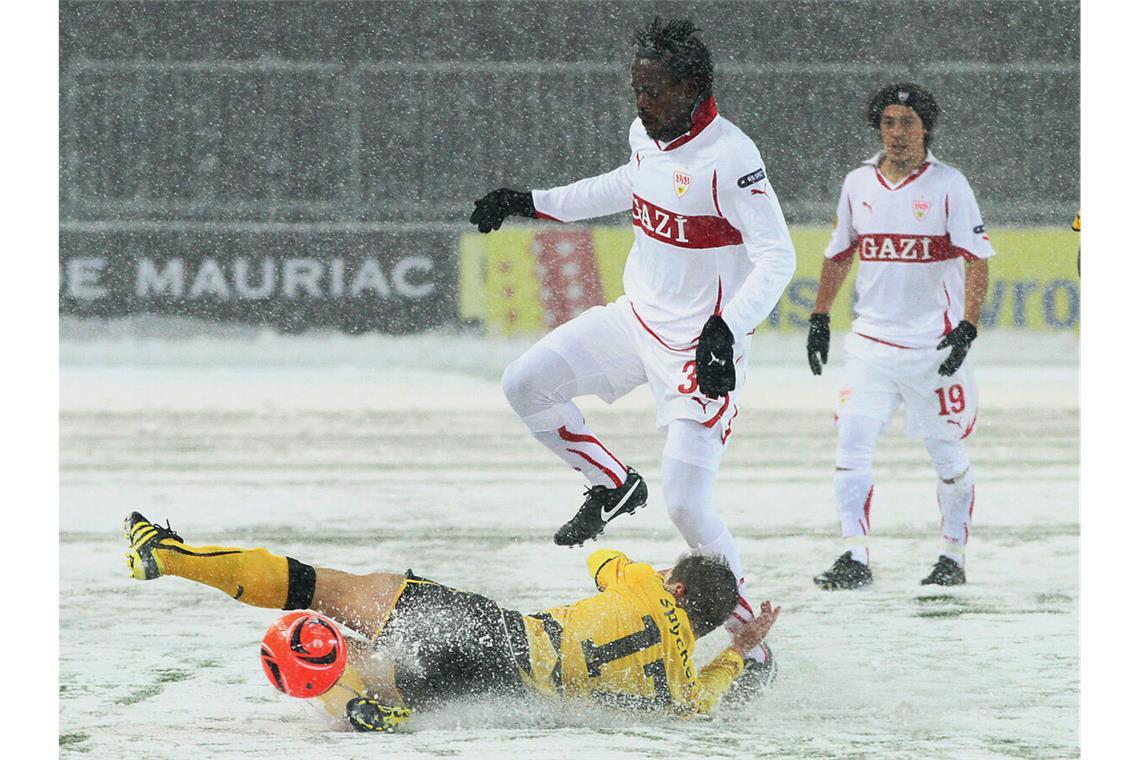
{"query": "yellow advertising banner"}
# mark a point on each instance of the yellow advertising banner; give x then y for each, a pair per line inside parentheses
(530, 279)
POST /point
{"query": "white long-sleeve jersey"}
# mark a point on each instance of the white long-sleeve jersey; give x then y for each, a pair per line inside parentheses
(709, 235)
(911, 238)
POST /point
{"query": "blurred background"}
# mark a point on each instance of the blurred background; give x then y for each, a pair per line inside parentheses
(313, 164)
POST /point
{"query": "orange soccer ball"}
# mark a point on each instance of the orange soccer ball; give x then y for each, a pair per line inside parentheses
(303, 654)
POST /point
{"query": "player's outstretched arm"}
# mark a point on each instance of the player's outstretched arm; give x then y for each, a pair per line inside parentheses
(497, 205)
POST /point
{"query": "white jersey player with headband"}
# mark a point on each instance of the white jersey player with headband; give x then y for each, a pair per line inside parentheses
(710, 259)
(914, 226)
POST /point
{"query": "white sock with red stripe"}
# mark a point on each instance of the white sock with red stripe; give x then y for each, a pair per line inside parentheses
(577, 445)
(853, 492)
(956, 502)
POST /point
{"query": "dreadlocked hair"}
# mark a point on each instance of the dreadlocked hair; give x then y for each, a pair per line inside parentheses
(710, 590)
(675, 43)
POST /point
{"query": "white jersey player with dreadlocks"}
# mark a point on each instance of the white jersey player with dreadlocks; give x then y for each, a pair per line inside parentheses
(710, 259)
(914, 224)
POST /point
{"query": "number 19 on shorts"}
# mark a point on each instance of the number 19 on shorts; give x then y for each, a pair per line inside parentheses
(951, 400)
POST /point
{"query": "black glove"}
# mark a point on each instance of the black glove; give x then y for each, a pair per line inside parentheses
(819, 340)
(959, 339)
(497, 205)
(716, 372)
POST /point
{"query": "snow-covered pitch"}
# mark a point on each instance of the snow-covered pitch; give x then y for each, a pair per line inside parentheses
(384, 453)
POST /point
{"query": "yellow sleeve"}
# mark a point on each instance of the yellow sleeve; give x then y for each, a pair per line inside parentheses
(1077, 222)
(715, 678)
(604, 566)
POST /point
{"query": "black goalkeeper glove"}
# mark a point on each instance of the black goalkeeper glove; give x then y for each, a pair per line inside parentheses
(819, 340)
(716, 372)
(959, 340)
(497, 205)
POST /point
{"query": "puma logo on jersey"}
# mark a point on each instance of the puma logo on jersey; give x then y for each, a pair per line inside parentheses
(754, 191)
(869, 209)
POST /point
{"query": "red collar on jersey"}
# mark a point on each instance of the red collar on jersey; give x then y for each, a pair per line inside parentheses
(910, 177)
(702, 117)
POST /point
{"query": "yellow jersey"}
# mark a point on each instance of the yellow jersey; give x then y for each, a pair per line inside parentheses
(630, 645)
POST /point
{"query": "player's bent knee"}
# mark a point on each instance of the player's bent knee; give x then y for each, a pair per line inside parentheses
(854, 454)
(679, 512)
(360, 602)
(857, 438)
(533, 382)
(515, 382)
(949, 458)
(523, 387)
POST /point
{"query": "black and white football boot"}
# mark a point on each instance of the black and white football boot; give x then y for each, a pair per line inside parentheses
(601, 506)
(946, 572)
(846, 573)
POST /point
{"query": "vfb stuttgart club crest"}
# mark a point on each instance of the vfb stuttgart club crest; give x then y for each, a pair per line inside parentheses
(681, 182)
(920, 209)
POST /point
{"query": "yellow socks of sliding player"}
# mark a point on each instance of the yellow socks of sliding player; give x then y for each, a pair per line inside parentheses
(251, 576)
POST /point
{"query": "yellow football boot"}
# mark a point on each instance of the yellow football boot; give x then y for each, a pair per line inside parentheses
(144, 537)
(367, 714)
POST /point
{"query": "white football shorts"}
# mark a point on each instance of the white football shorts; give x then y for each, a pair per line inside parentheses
(879, 377)
(612, 338)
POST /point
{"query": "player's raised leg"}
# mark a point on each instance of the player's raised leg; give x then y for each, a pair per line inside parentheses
(590, 355)
(262, 579)
(956, 503)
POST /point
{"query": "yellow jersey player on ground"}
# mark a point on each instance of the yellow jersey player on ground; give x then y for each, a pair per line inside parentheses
(630, 645)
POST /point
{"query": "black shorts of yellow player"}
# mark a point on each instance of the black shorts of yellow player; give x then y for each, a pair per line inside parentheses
(446, 645)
